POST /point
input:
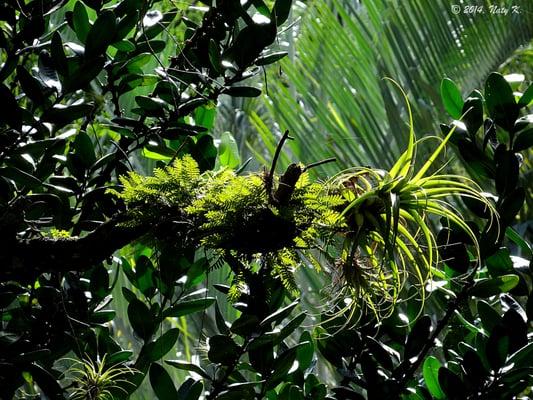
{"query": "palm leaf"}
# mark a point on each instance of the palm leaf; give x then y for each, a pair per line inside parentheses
(334, 99)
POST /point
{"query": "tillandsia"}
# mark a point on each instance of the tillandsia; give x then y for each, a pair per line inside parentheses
(389, 241)
(377, 221)
(98, 380)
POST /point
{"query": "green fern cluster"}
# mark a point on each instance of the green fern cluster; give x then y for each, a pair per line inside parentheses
(169, 187)
(236, 214)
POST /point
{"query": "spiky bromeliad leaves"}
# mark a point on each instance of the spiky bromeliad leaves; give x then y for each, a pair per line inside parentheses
(389, 241)
(378, 220)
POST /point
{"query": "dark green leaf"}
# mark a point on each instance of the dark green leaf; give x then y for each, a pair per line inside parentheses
(473, 114)
(220, 321)
(522, 357)
(47, 72)
(190, 390)
(494, 286)
(279, 315)
(153, 104)
(516, 329)
(84, 149)
(214, 56)
(183, 365)
(126, 24)
(205, 152)
(189, 307)
(119, 357)
(158, 349)
(194, 392)
(62, 115)
(128, 294)
(267, 338)
(473, 368)
(162, 384)
(500, 263)
(511, 205)
(507, 166)
(524, 139)
(30, 86)
(80, 20)
(500, 101)
(144, 275)
(417, 337)
(135, 64)
(222, 350)
(103, 316)
(497, 347)
(451, 384)
(46, 381)
(527, 97)
(453, 251)
(306, 352)
(245, 325)
(32, 356)
(282, 365)
(101, 35)
(489, 317)
(451, 97)
(282, 9)
(99, 285)
(124, 45)
(10, 112)
(82, 76)
(430, 370)
(291, 326)
(141, 319)
(20, 177)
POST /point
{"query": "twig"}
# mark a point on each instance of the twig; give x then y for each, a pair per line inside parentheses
(270, 176)
(317, 163)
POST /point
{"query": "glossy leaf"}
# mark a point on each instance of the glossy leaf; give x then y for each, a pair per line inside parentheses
(222, 349)
(161, 383)
(451, 97)
(141, 319)
(524, 140)
(186, 366)
(101, 35)
(158, 349)
(489, 317)
(431, 369)
(282, 9)
(418, 336)
(451, 384)
(63, 115)
(189, 307)
(500, 101)
(494, 286)
(527, 97)
(80, 20)
(228, 151)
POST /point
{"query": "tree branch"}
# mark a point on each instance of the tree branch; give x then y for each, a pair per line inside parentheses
(25, 260)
